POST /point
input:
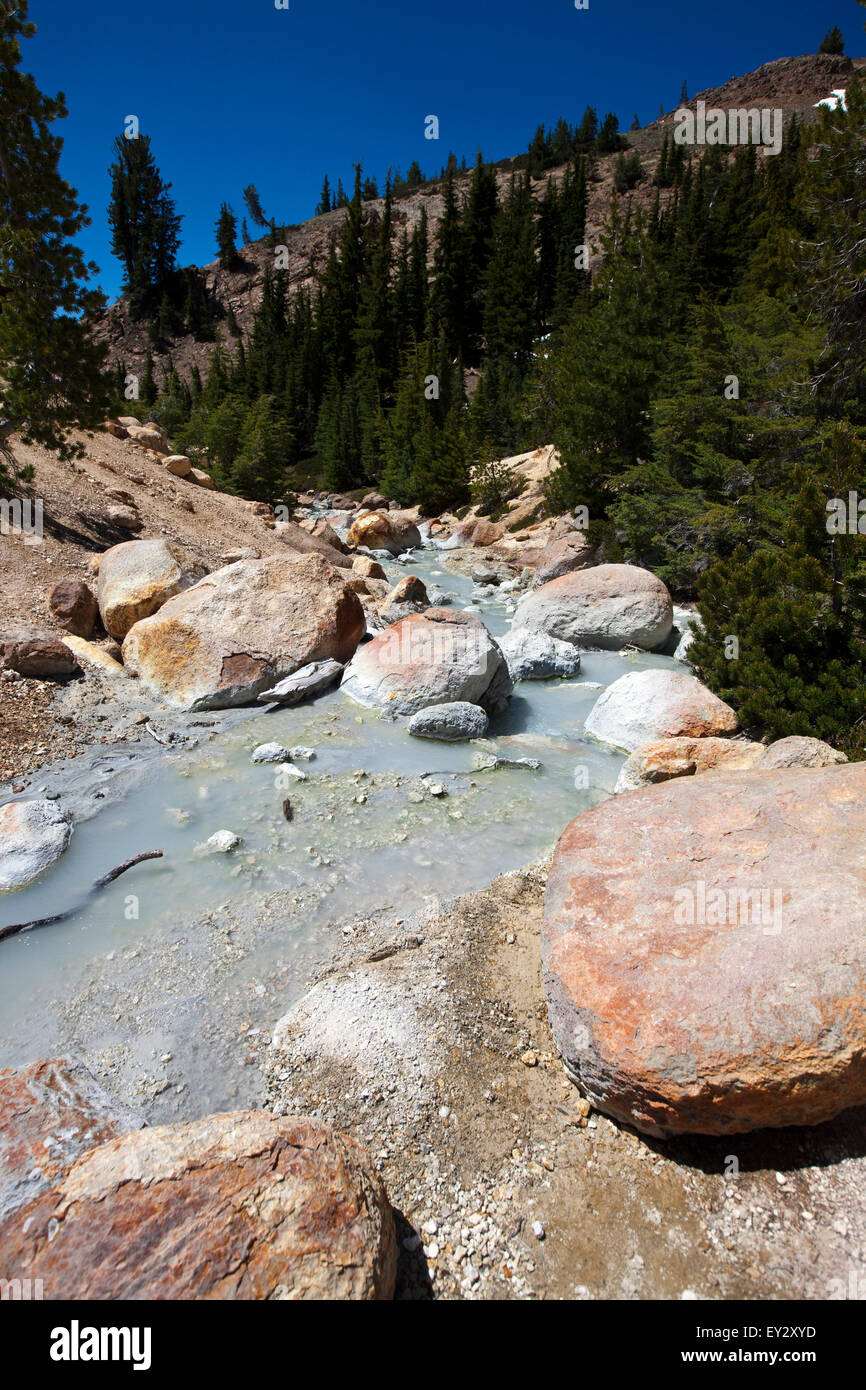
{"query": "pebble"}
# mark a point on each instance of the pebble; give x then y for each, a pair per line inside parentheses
(223, 842)
(538, 1230)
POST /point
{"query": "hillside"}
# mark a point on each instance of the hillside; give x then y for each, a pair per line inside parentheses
(792, 84)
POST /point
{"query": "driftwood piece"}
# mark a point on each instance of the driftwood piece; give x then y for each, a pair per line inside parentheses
(100, 883)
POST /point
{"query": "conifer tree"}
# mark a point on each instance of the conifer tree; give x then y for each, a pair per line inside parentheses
(50, 369)
(145, 227)
(253, 205)
(833, 41)
(325, 203)
(226, 233)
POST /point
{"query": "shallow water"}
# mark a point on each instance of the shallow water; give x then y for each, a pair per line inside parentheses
(192, 957)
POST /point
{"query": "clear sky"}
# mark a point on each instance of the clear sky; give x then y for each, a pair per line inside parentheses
(236, 91)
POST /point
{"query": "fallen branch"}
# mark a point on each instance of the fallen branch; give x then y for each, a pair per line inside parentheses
(100, 883)
(127, 864)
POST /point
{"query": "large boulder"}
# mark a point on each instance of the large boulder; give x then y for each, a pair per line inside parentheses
(178, 465)
(644, 706)
(684, 757)
(34, 652)
(149, 436)
(52, 1112)
(137, 578)
(302, 543)
(452, 723)
(391, 531)
(33, 834)
(798, 751)
(244, 628)
(608, 606)
(478, 531)
(73, 606)
(563, 555)
(534, 656)
(704, 954)
(409, 596)
(235, 1206)
(318, 526)
(430, 658)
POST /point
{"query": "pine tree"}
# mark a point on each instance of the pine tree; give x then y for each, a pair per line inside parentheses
(259, 470)
(253, 205)
(798, 616)
(833, 41)
(325, 203)
(226, 233)
(50, 369)
(478, 221)
(145, 227)
(609, 139)
(510, 283)
(448, 296)
(147, 386)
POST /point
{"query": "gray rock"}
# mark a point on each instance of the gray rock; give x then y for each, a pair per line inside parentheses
(535, 656)
(303, 754)
(607, 606)
(453, 722)
(271, 753)
(799, 752)
(33, 834)
(310, 680)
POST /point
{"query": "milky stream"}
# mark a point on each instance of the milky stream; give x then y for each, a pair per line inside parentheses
(222, 944)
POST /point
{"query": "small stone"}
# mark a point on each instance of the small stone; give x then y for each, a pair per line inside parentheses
(529, 1059)
(271, 753)
(223, 842)
(538, 1230)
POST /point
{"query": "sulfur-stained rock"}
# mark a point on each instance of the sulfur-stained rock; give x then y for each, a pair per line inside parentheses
(234, 1206)
(704, 955)
(137, 578)
(684, 757)
(644, 706)
(391, 531)
(51, 1112)
(244, 628)
(430, 658)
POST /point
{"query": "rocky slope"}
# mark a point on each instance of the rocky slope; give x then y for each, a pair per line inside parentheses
(792, 84)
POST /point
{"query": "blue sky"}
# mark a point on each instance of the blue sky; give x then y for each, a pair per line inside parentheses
(235, 91)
